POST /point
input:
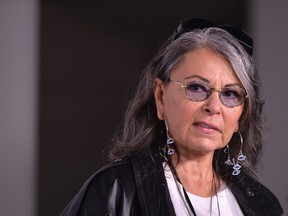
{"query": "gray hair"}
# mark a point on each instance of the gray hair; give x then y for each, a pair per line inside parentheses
(141, 125)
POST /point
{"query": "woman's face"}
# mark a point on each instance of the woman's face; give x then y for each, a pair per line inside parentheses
(198, 126)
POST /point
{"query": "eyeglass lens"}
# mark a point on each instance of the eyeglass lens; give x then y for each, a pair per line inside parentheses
(230, 96)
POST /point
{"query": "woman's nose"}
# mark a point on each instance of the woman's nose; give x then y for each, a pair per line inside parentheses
(213, 103)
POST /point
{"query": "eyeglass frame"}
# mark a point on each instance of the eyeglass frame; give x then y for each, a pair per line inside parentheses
(245, 96)
(190, 24)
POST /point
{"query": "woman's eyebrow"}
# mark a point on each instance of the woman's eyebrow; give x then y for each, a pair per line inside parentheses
(197, 76)
(207, 81)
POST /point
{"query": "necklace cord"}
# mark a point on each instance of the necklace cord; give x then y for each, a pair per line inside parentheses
(187, 201)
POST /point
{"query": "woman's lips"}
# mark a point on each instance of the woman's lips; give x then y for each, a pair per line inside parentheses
(206, 126)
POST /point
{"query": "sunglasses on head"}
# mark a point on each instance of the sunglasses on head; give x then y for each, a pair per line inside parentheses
(191, 24)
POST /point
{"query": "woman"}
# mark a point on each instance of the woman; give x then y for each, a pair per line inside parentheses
(192, 134)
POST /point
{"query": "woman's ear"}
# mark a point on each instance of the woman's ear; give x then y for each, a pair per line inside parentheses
(158, 86)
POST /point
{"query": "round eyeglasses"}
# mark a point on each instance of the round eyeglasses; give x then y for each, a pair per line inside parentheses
(230, 96)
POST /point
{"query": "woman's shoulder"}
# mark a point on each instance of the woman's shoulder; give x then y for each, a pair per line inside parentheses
(254, 196)
(119, 171)
(116, 169)
(104, 186)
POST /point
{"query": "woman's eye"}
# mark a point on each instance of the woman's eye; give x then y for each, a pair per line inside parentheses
(230, 94)
(196, 88)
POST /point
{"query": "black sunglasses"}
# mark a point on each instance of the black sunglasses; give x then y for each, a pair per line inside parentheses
(191, 24)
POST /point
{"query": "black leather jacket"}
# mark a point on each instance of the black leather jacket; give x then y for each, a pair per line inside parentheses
(136, 185)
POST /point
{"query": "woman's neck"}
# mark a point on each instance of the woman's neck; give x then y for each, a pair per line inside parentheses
(196, 173)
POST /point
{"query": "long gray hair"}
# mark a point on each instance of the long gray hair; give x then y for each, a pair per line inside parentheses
(141, 124)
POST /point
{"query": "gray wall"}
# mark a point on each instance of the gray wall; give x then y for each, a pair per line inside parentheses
(18, 72)
(270, 30)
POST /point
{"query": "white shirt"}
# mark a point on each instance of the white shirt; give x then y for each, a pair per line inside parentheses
(228, 204)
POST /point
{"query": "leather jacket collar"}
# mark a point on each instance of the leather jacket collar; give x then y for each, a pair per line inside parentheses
(136, 185)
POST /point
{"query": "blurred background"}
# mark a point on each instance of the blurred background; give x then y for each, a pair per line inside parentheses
(67, 70)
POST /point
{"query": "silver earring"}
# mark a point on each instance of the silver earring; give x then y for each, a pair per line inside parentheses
(240, 157)
(228, 162)
(169, 141)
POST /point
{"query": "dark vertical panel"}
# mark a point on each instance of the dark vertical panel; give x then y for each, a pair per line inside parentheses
(91, 54)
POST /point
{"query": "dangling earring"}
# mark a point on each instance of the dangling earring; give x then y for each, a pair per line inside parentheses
(240, 157)
(169, 141)
(228, 162)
